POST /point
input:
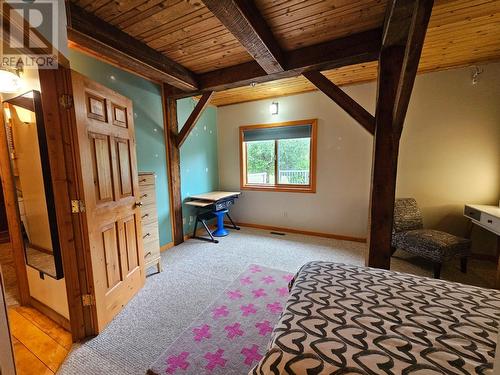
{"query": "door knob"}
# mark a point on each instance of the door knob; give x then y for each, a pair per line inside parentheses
(138, 204)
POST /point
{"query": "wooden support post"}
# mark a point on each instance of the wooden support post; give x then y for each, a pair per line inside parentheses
(173, 164)
(193, 117)
(404, 32)
(344, 101)
(385, 160)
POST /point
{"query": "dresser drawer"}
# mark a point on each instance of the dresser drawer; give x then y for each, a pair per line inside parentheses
(148, 210)
(152, 246)
(147, 179)
(150, 231)
(147, 195)
(490, 222)
(148, 215)
(150, 255)
(472, 213)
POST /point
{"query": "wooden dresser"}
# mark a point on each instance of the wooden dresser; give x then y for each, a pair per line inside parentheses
(149, 218)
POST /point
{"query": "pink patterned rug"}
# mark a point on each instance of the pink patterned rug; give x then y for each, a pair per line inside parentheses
(232, 334)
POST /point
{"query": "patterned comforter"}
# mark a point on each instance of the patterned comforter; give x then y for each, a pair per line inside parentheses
(342, 319)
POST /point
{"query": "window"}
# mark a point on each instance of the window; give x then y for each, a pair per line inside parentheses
(279, 157)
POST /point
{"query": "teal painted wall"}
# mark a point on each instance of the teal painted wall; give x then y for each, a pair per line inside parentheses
(199, 166)
(148, 120)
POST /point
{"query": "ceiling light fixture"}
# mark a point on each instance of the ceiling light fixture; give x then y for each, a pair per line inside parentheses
(273, 108)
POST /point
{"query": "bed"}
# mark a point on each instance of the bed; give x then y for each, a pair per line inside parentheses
(344, 319)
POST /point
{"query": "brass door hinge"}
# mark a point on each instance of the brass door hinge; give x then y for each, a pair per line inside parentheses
(66, 101)
(88, 300)
(77, 206)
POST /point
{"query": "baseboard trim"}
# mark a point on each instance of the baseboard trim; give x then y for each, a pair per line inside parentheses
(166, 246)
(199, 231)
(202, 231)
(304, 232)
(54, 315)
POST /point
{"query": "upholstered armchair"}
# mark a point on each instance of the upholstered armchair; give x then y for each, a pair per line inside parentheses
(408, 234)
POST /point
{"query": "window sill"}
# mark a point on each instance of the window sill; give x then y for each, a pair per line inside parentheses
(278, 188)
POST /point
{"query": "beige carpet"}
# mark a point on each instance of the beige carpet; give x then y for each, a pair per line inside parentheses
(196, 273)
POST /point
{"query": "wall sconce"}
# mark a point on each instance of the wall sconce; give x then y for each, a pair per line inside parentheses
(475, 74)
(10, 82)
(273, 108)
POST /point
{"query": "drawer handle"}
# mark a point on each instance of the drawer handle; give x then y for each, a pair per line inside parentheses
(148, 254)
(146, 235)
(145, 215)
(144, 196)
(490, 221)
(143, 180)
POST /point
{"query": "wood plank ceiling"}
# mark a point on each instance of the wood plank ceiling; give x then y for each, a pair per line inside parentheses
(461, 32)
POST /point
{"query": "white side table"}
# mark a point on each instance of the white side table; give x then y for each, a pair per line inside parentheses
(487, 217)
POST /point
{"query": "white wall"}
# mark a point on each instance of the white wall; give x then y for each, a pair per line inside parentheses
(450, 155)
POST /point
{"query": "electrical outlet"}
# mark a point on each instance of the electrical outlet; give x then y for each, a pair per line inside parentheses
(285, 214)
(183, 220)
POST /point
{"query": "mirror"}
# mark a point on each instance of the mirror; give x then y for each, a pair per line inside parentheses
(31, 172)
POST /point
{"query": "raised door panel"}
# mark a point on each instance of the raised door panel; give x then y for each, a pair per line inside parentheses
(124, 170)
(111, 255)
(131, 244)
(119, 115)
(96, 107)
(100, 150)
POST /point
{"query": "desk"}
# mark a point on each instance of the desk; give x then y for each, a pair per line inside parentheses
(487, 217)
(215, 205)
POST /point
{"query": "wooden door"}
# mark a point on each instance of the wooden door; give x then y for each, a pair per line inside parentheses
(106, 148)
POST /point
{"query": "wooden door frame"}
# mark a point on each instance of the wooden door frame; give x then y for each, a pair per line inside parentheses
(56, 91)
(54, 84)
(59, 113)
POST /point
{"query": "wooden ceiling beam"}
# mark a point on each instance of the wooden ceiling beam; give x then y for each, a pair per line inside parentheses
(349, 50)
(418, 30)
(348, 104)
(193, 117)
(244, 21)
(99, 37)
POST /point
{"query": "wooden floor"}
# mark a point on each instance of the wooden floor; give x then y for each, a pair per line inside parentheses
(9, 274)
(40, 344)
